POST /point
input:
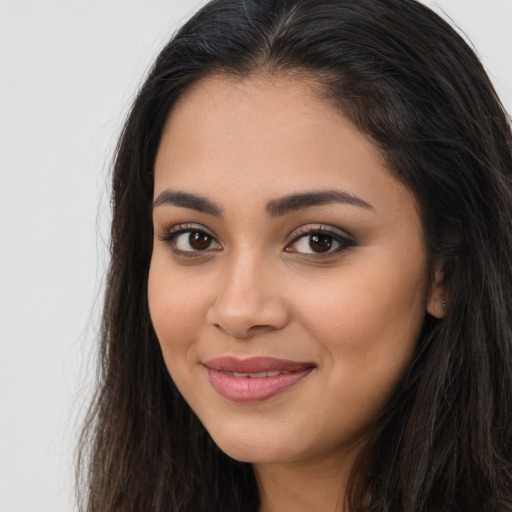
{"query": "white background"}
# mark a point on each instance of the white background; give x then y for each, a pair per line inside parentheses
(68, 71)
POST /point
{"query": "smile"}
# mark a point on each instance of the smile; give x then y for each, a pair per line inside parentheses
(255, 379)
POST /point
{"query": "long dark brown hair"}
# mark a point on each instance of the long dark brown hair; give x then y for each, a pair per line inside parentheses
(411, 84)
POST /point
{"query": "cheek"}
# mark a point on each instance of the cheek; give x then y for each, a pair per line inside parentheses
(175, 305)
(368, 321)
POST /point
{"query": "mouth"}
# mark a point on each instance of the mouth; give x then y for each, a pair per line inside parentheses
(255, 379)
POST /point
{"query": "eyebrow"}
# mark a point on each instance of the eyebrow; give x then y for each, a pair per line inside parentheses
(275, 207)
(188, 200)
(294, 202)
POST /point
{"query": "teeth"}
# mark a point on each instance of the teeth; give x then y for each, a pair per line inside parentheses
(252, 375)
(257, 375)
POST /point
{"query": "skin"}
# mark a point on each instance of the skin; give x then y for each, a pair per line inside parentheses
(259, 288)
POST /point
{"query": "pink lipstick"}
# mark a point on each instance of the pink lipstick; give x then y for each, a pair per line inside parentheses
(255, 379)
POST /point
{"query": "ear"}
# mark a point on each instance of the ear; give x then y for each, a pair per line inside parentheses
(436, 304)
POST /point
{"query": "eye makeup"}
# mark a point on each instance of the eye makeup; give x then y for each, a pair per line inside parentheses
(313, 241)
(319, 241)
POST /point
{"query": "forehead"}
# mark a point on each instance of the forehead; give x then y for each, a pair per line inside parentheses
(267, 136)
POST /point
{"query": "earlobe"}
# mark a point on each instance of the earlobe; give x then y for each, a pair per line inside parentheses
(436, 305)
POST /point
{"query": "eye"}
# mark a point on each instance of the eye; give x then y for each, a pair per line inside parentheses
(319, 241)
(193, 241)
(186, 239)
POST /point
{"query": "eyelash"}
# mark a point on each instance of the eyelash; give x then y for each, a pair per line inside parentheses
(344, 241)
(173, 232)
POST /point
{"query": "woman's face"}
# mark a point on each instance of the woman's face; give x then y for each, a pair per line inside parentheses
(287, 284)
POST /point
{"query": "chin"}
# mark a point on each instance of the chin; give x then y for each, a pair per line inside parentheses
(254, 454)
(256, 449)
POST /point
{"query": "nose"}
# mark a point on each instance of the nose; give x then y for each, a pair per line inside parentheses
(249, 300)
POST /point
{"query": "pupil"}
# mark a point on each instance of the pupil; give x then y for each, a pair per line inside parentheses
(199, 241)
(320, 243)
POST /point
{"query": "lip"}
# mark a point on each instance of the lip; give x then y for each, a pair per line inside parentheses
(249, 389)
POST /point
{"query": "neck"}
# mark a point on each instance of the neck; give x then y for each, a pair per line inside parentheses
(302, 486)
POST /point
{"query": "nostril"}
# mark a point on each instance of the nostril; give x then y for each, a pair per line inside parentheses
(246, 314)
(241, 332)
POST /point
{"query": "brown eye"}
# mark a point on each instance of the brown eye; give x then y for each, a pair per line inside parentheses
(320, 243)
(192, 240)
(199, 240)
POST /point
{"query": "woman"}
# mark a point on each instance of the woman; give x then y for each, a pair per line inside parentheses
(309, 299)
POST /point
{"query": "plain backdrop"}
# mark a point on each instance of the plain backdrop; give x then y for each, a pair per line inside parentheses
(68, 72)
